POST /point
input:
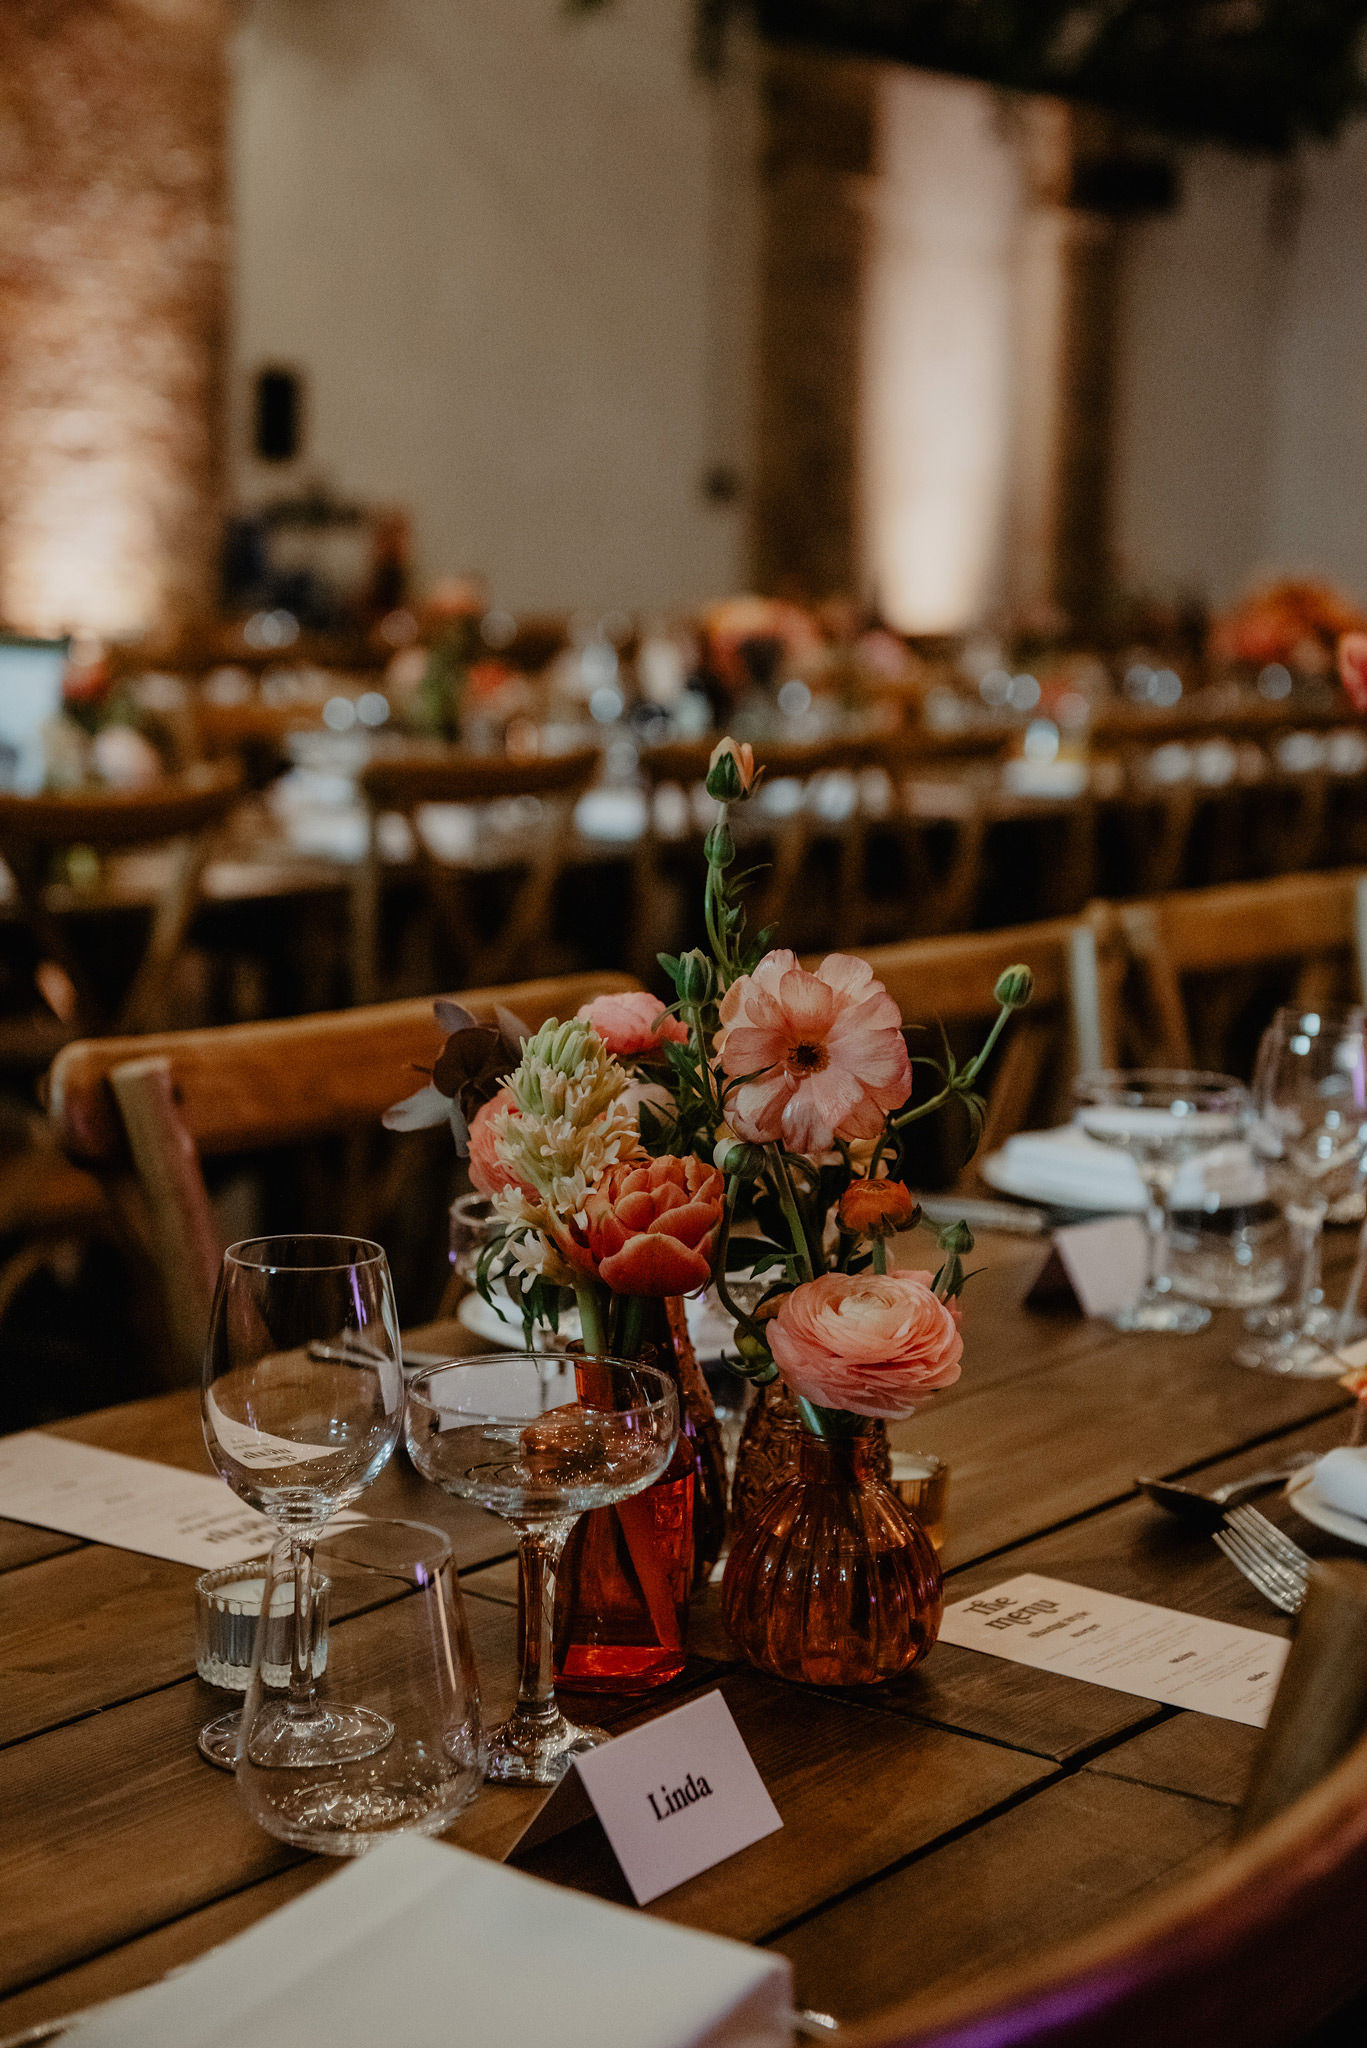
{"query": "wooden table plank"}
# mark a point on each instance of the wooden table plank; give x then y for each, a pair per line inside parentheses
(857, 1788)
(1057, 1863)
(21, 1544)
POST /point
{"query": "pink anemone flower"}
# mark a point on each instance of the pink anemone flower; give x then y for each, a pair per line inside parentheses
(825, 1052)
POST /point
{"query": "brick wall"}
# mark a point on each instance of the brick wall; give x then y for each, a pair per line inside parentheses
(113, 250)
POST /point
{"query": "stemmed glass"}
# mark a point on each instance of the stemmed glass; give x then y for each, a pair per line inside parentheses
(1310, 1101)
(302, 1406)
(540, 1448)
(1161, 1117)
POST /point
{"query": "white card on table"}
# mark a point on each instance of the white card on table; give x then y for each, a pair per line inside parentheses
(1104, 1262)
(673, 1797)
(130, 1503)
(1156, 1653)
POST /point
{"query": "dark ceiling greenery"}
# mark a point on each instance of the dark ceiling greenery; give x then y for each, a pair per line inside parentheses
(1264, 74)
(1261, 73)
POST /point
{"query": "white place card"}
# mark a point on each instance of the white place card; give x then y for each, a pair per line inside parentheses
(673, 1797)
(129, 1503)
(1101, 1264)
(1155, 1653)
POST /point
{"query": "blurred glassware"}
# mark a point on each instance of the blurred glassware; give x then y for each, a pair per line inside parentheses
(474, 1224)
(403, 1653)
(1229, 1254)
(1310, 1130)
(302, 1405)
(1161, 1117)
(540, 1448)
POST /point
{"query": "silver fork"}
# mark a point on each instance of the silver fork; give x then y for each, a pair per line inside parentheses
(1269, 1560)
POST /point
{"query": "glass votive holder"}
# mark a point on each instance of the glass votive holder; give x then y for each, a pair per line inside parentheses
(921, 1482)
(474, 1222)
(227, 1606)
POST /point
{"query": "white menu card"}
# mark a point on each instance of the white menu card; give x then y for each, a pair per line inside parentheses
(1156, 1653)
(130, 1503)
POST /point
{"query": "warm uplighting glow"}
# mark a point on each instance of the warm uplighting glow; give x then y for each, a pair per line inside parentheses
(937, 396)
(81, 551)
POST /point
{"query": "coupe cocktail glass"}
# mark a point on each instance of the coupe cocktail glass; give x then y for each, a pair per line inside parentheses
(540, 1447)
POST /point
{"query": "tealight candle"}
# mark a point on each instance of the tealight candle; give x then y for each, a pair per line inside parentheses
(921, 1482)
(227, 1606)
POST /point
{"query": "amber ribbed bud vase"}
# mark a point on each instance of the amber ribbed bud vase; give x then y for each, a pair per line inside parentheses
(832, 1581)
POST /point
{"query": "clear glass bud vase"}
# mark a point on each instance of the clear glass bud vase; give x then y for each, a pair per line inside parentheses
(831, 1581)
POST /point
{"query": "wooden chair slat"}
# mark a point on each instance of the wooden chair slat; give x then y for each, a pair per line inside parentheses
(242, 1087)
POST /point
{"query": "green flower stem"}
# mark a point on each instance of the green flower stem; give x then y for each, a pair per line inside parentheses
(738, 1315)
(783, 1187)
(591, 1319)
(630, 1324)
(977, 1063)
(880, 1256)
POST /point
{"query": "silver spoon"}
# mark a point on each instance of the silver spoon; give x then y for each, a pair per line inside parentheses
(1207, 1510)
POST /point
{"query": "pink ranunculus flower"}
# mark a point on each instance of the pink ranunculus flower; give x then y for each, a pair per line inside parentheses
(1353, 668)
(632, 1023)
(872, 1343)
(489, 1172)
(826, 1051)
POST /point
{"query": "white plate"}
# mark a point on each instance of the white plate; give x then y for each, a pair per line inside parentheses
(1001, 1173)
(1305, 1499)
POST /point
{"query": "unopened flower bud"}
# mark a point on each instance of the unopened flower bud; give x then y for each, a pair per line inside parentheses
(876, 1208)
(720, 847)
(730, 771)
(1015, 986)
(956, 1238)
(693, 977)
(738, 1159)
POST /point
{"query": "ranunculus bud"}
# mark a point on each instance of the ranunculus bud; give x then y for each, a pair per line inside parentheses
(730, 771)
(693, 978)
(876, 1208)
(1015, 986)
(741, 1161)
(719, 847)
(956, 1238)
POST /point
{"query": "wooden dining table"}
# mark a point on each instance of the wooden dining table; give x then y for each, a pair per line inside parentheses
(968, 1815)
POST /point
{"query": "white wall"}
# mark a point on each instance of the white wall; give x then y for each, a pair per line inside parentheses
(511, 251)
(1243, 375)
(938, 351)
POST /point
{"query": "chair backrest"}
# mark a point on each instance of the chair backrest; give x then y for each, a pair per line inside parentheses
(111, 819)
(404, 783)
(142, 1113)
(187, 809)
(1315, 925)
(1256, 1950)
(1067, 1027)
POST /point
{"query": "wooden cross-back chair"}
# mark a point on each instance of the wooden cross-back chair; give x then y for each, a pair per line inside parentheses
(183, 812)
(935, 891)
(783, 842)
(143, 1114)
(1067, 1027)
(1198, 957)
(404, 784)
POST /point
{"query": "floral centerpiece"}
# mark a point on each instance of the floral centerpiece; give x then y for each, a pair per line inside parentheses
(625, 1150)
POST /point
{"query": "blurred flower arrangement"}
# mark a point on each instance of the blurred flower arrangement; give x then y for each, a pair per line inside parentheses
(102, 736)
(1296, 621)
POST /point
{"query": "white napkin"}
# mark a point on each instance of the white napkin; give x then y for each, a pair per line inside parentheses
(1341, 1480)
(419, 1945)
(1067, 1167)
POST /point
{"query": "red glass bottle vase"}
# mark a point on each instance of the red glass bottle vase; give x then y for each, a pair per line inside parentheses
(831, 1581)
(628, 1572)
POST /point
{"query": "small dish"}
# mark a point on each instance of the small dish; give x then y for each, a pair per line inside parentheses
(1305, 1499)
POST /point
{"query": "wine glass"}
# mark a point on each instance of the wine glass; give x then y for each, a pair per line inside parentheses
(1161, 1117)
(398, 1642)
(1310, 1104)
(540, 1447)
(302, 1405)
